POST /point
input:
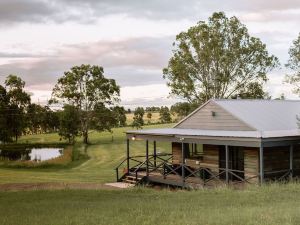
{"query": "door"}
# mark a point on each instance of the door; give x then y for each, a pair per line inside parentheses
(235, 161)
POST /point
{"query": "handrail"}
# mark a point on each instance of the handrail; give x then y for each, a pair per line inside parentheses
(121, 163)
(276, 171)
(140, 163)
(139, 167)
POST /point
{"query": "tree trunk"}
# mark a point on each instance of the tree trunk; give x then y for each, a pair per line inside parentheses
(85, 137)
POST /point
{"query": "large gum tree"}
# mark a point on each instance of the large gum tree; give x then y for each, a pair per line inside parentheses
(218, 59)
(294, 65)
(86, 88)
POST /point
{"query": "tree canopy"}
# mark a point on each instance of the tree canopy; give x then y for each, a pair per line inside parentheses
(217, 59)
(69, 123)
(164, 115)
(294, 65)
(18, 101)
(182, 109)
(86, 88)
(138, 120)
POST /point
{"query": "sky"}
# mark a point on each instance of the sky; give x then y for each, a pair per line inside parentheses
(131, 39)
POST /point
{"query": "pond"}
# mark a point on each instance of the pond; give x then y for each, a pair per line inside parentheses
(30, 154)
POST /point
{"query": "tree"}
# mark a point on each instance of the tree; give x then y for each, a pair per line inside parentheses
(182, 109)
(5, 128)
(50, 121)
(69, 123)
(217, 59)
(281, 97)
(149, 116)
(107, 121)
(86, 88)
(119, 114)
(164, 115)
(35, 118)
(294, 65)
(254, 91)
(18, 103)
(138, 120)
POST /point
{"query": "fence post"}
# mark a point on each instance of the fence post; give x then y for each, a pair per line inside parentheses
(261, 164)
(128, 166)
(154, 152)
(183, 162)
(147, 158)
(291, 161)
(226, 163)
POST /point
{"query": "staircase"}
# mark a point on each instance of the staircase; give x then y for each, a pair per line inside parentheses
(130, 179)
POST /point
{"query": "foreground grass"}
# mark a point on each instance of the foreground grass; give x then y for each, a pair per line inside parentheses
(105, 153)
(275, 204)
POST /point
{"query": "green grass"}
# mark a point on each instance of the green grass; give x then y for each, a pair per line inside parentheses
(104, 155)
(274, 204)
(269, 204)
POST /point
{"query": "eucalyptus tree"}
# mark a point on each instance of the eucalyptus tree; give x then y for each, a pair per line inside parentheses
(35, 118)
(69, 123)
(149, 116)
(119, 114)
(5, 129)
(294, 65)
(181, 109)
(18, 102)
(217, 59)
(165, 115)
(86, 88)
(138, 118)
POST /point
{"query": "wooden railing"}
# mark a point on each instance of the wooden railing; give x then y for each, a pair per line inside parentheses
(162, 164)
(141, 164)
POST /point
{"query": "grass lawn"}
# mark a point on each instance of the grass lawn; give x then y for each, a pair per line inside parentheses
(105, 154)
(275, 204)
(269, 204)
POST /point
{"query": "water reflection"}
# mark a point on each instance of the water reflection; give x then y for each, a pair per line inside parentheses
(33, 154)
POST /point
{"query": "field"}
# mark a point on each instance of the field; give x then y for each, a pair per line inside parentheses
(275, 204)
(105, 154)
(269, 204)
(154, 118)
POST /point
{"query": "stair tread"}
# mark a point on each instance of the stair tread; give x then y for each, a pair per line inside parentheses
(129, 181)
(133, 177)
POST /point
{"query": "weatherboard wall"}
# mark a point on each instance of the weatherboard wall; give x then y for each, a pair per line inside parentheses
(213, 117)
(251, 164)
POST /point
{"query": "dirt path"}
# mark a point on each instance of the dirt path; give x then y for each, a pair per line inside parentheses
(54, 186)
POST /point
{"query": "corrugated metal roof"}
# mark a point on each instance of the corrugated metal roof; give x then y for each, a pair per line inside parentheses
(270, 118)
(264, 115)
(216, 133)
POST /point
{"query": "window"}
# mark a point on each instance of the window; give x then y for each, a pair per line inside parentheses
(195, 151)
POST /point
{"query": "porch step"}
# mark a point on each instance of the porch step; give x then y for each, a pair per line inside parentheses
(133, 177)
(130, 179)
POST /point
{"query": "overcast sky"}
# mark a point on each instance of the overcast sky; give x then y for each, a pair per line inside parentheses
(131, 39)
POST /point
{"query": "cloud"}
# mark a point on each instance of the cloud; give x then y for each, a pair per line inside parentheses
(25, 10)
(18, 55)
(58, 11)
(131, 62)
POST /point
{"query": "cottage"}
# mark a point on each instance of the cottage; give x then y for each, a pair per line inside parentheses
(222, 142)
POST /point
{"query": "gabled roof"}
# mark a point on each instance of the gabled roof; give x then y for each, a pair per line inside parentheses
(264, 118)
(261, 115)
(264, 115)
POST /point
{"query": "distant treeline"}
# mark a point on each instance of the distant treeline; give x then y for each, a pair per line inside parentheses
(19, 116)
